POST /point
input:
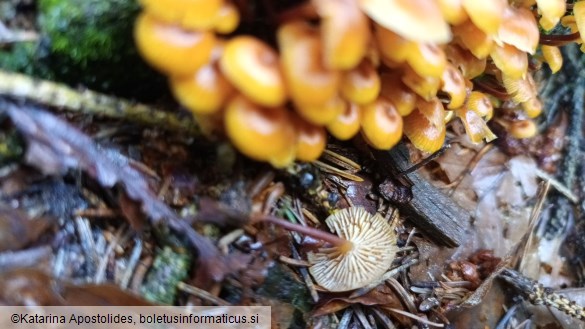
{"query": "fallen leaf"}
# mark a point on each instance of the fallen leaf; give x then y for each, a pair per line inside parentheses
(18, 230)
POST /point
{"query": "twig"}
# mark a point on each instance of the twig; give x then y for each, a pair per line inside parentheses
(293, 262)
(23, 258)
(469, 168)
(132, 263)
(537, 294)
(86, 101)
(557, 185)
(332, 170)
(386, 276)
(202, 294)
(417, 318)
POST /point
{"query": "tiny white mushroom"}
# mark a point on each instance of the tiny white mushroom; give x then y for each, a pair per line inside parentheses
(367, 256)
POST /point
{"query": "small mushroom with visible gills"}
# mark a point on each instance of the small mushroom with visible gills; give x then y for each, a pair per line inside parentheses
(367, 256)
(425, 126)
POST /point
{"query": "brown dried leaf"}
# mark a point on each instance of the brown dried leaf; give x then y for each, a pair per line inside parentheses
(382, 296)
(28, 287)
(34, 287)
(17, 230)
(54, 146)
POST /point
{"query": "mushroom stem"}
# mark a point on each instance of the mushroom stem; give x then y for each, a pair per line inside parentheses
(558, 39)
(336, 241)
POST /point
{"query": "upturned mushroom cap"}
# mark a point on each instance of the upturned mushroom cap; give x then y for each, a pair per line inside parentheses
(373, 248)
(519, 29)
(425, 126)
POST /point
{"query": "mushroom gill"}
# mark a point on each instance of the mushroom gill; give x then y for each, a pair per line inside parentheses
(371, 251)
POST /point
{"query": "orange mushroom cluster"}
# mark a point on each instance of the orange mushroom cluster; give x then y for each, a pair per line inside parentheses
(377, 67)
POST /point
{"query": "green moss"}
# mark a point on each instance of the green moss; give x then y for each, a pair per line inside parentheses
(168, 269)
(281, 285)
(89, 30)
(89, 43)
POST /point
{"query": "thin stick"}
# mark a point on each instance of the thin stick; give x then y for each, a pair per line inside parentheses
(202, 294)
(426, 160)
(417, 318)
(86, 101)
(293, 262)
(341, 160)
(557, 185)
(332, 170)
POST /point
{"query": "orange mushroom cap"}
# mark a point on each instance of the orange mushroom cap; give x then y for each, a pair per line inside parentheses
(308, 80)
(373, 248)
(361, 85)
(532, 107)
(510, 60)
(570, 22)
(205, 91)
(474, 39)
(480, 103)
(416, 20)
(453, 11)
(425, 126)
(171, 49)
(475, 126)
(227, 19)
(552, 55)
(469, 65)
(192, 14)
(381, 124)
(523, 129)
(552, 11)
(453, 83)
(392, 46)
(486, 15)
(425, 86)
(427, 60)
(345, 32)
(311, 139)
(260, 133)
(399, 94)
(347, 124)
(322, 114)
(519, 29)
(253, 67)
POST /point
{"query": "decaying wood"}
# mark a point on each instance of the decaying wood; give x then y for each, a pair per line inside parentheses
(430, 209)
